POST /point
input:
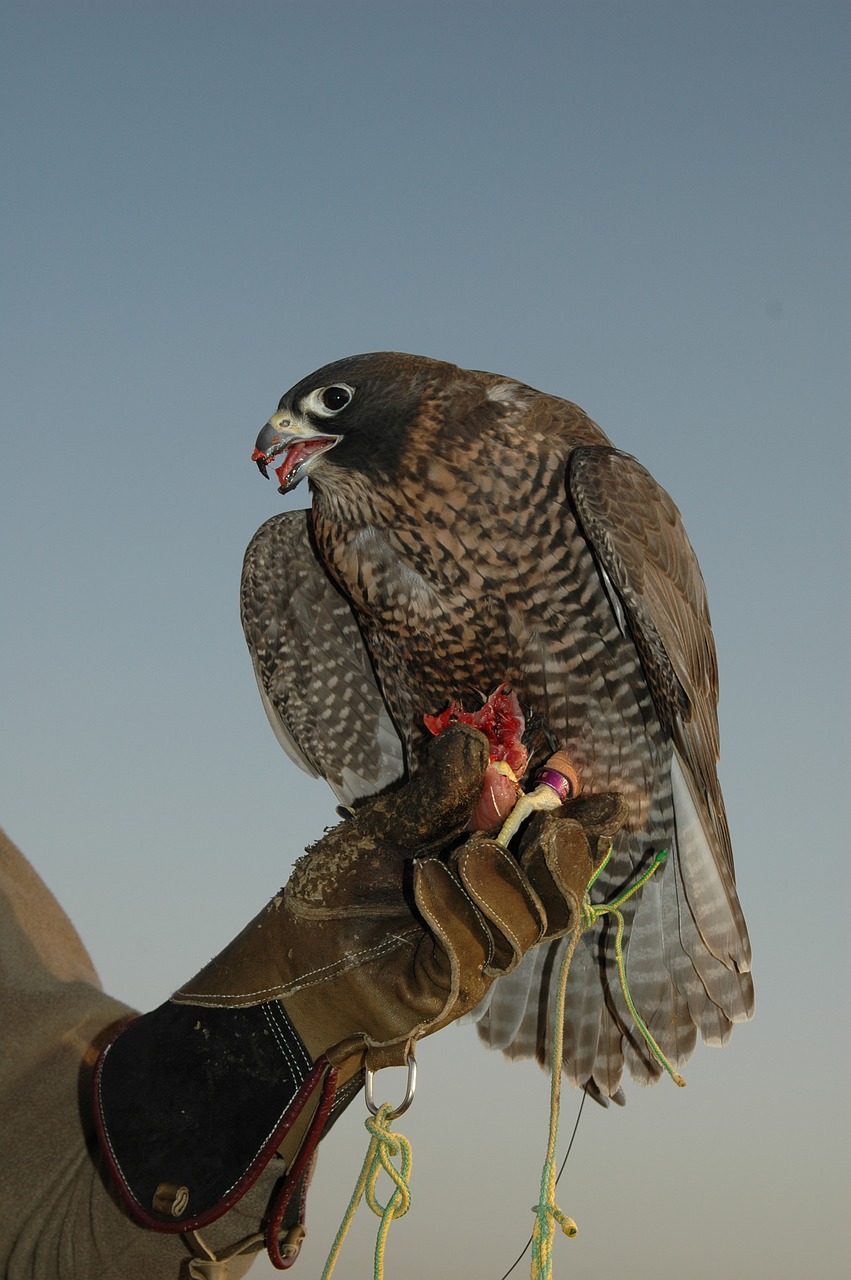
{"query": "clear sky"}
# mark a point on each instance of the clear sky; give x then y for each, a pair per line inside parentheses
(642, 206)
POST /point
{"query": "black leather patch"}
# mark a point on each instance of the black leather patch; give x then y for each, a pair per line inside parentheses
(191, 1103)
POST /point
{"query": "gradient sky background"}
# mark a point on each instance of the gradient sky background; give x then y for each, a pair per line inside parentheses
(641, 206)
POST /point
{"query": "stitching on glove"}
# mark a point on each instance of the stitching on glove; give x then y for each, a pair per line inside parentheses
(277, 1012)
(493, 914)
(285, 1048)
(435, 924)
(351, 961)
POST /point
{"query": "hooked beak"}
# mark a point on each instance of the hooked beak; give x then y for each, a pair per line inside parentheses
(299, 444)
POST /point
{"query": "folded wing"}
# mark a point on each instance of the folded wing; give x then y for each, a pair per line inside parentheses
(313, 670)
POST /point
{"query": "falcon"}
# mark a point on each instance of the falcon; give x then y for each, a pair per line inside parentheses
(468, 532)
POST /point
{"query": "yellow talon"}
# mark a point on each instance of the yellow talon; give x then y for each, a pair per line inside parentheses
(542, 797)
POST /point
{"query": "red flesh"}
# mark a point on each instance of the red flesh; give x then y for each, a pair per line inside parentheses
(293, 455)
(502, 722)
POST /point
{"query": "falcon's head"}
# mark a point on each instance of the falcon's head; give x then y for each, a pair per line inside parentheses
(363, 408)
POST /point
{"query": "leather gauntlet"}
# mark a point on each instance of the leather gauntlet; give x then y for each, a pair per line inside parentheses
(377, 940)
(380, 937)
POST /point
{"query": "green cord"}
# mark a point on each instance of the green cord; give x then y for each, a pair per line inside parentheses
(591, 913)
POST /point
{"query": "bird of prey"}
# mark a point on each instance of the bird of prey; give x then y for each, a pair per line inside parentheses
(468, 531)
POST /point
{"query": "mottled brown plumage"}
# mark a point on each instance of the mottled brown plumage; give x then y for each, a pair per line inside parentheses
(466, 530)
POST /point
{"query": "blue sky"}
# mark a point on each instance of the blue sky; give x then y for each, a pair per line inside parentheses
(640, 206)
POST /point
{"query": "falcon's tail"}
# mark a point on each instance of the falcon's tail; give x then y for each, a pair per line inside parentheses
(687, 962)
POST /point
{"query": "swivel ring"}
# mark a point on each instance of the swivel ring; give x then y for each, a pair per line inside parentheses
(410, 1090)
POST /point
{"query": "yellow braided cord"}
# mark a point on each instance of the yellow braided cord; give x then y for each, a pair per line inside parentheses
(547, 1213)
(383, 1146)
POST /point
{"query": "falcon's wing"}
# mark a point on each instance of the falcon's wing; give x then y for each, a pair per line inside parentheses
(687, 950)
(316, 680)
(656, 588)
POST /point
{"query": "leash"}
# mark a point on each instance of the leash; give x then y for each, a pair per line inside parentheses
(548, 1215)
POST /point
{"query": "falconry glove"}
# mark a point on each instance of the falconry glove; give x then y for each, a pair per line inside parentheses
(376, 940)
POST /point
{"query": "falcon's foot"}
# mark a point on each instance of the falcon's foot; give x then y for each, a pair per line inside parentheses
(542, 797)
(557, 781)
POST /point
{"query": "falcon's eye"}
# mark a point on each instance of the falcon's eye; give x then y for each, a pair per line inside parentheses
(324, 402)
(336, 398)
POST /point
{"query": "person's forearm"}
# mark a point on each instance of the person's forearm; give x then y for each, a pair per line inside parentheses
(59, 1218)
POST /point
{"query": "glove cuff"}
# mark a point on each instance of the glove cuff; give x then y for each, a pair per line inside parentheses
(192, 1103)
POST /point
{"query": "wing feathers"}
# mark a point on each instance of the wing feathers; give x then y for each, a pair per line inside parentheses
(315, 676)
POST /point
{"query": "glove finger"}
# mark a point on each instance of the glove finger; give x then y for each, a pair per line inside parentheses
(515, 915)
(458, 948)
(601, 818)
(435, 806)
(557, 860)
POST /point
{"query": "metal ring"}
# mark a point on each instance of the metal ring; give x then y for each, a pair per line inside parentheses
(410, 1090)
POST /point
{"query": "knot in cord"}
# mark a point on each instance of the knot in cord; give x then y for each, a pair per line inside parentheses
(547, 1216)
(383, 1147)
(205, 1264)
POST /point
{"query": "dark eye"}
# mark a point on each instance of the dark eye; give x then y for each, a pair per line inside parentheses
(336, 398)
(324, 402)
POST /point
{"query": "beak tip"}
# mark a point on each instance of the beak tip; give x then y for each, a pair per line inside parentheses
(261, 457)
